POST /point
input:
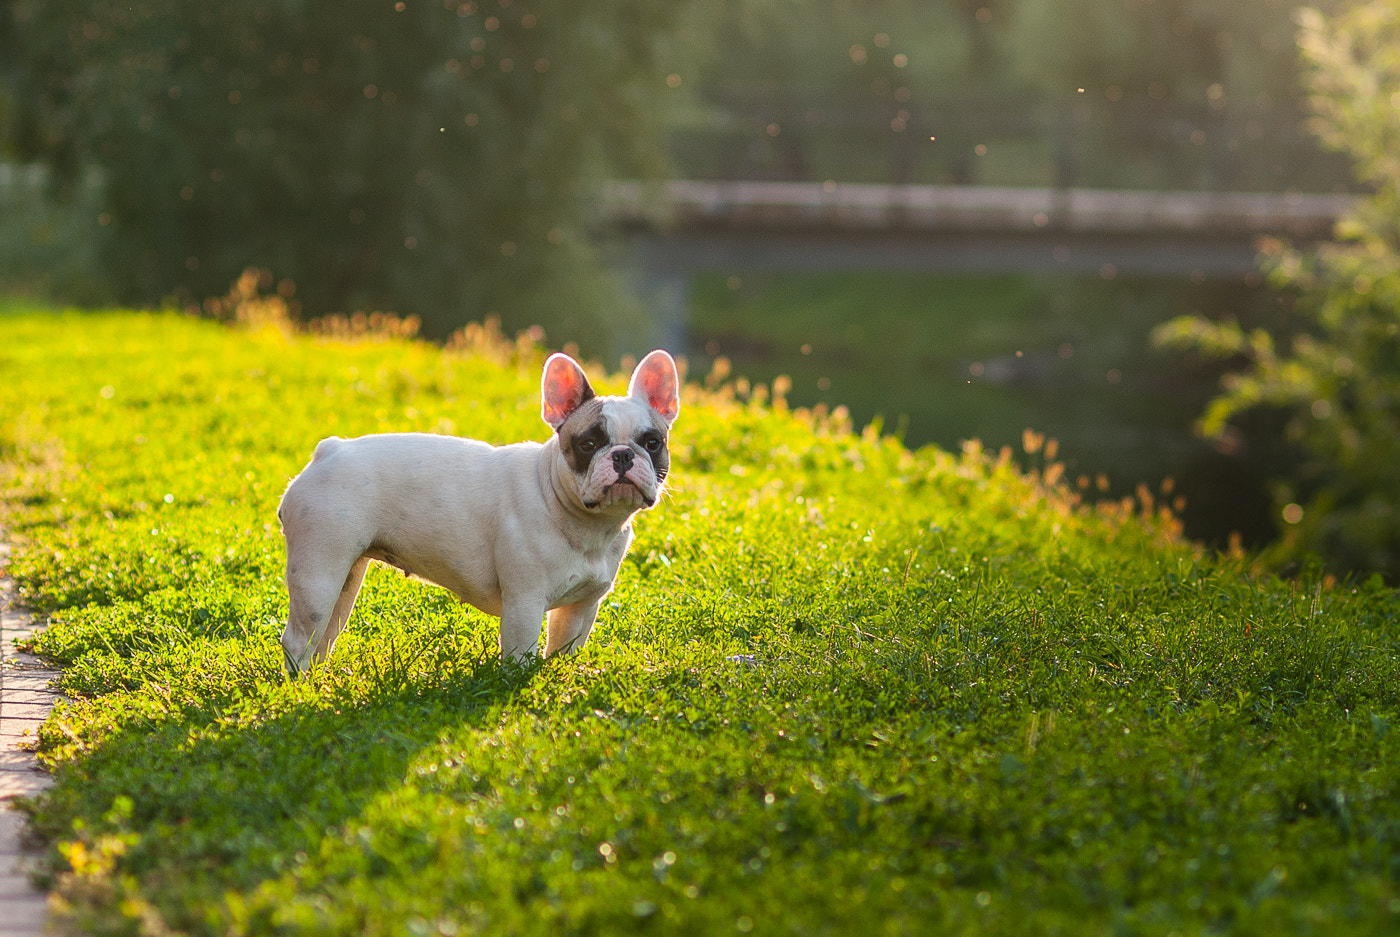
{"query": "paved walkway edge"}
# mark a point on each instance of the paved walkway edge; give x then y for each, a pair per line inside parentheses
(26, 696)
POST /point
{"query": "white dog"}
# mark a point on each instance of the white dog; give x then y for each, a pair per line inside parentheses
(517, 530)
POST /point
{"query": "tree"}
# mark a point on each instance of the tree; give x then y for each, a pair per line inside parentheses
(436, 158)
(1183, 92)
(1129, 93)
(1338, 379)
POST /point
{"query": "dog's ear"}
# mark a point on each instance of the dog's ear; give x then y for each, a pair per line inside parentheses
(563, 389)
(656, 384)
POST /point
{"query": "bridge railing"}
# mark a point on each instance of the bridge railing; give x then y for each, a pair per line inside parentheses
(854, 207)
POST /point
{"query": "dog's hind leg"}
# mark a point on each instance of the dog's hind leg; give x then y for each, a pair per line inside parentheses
(318, 608)
(569, 627)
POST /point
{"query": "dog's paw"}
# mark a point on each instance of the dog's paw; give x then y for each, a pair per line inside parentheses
(289, 665)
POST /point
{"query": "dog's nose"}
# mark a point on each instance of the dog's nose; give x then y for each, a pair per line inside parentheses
(622, 460)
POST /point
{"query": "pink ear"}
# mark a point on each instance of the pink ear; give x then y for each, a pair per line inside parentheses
(655, 382)
(563, 389)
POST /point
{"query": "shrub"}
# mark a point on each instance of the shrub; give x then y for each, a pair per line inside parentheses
(1338, 380)
(433, 158)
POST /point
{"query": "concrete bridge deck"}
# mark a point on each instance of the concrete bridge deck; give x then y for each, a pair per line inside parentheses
(672, 231)
(685, 205)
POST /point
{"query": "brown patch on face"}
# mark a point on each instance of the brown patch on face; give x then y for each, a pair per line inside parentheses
(583, 435)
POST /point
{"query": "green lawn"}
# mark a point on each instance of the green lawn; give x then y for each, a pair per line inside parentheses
(841, 688)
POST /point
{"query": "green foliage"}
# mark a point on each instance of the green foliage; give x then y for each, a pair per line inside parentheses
(1184, 47)
(417, 160)
(437, 159)
(1136, 94)
(841, 687)
(48, 245)
(1339, 380)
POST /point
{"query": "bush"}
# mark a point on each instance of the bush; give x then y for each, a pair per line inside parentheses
(1338, 380)
(434, 158)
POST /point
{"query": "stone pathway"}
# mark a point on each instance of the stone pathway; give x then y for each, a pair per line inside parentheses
(25, 700)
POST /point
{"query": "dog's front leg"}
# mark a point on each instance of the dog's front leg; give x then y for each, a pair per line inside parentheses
(569, 626)
(319, 605)
(520, 627)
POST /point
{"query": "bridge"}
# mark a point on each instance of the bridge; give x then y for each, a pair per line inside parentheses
(673, 231)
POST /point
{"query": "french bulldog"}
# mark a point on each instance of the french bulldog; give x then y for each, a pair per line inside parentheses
(518, 531)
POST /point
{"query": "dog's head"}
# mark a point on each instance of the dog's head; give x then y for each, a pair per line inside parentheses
(615, 447)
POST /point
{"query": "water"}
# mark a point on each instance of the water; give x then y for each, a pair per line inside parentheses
(941, 359)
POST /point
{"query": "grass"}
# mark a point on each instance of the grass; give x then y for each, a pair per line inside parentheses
(841, 687)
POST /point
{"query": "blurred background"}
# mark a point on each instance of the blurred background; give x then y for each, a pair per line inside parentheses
(894, 202)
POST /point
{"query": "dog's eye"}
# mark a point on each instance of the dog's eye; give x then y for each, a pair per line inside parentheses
(588, 446)
(652, 444)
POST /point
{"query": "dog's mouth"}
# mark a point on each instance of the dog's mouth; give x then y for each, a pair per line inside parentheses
(624, 489)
